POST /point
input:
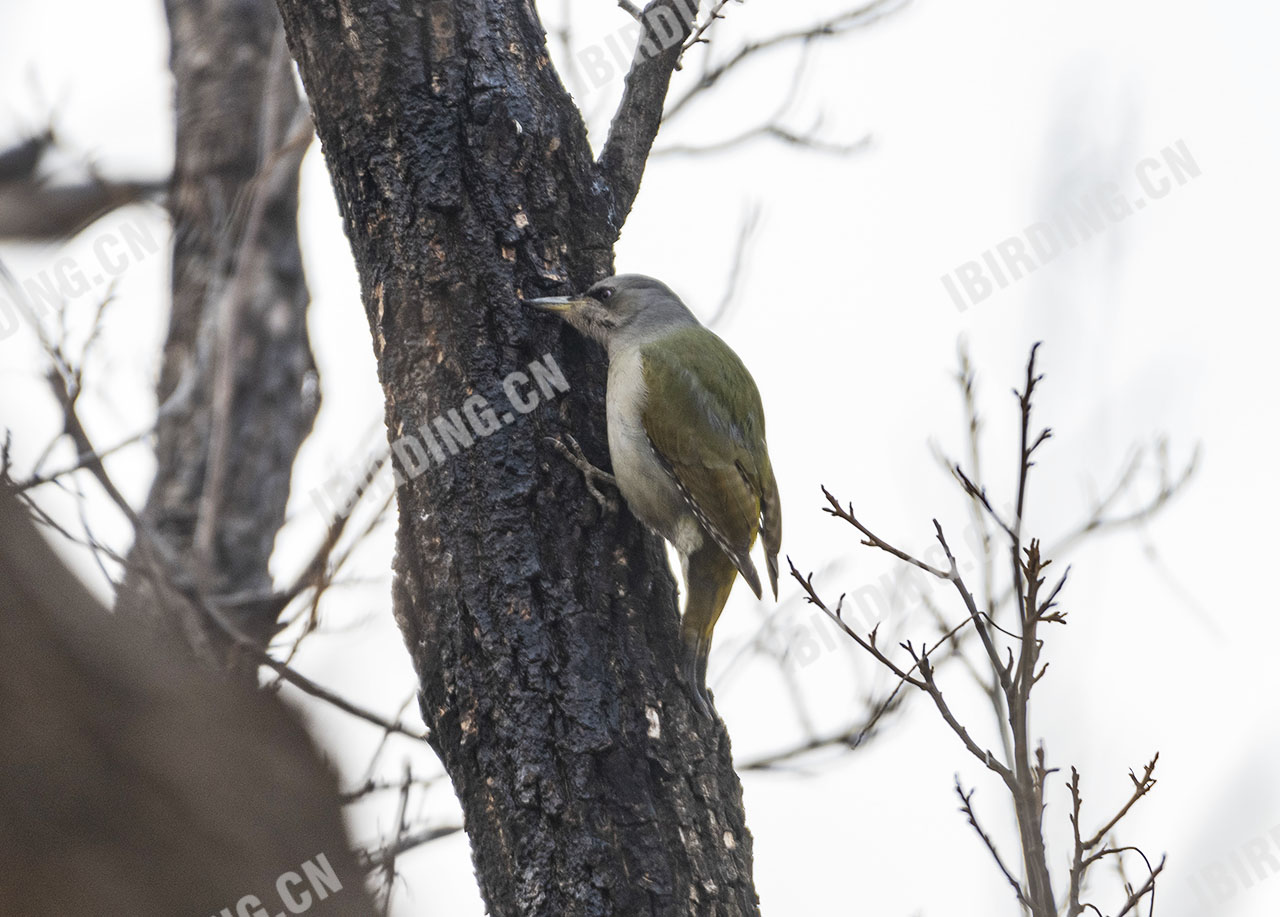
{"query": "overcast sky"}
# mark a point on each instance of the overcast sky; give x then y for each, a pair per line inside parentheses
(985, 117)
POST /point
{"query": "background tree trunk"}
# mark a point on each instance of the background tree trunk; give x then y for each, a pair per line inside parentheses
(238, 389)
(542, 632)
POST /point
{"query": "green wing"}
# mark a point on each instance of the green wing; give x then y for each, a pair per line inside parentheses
(704, 419)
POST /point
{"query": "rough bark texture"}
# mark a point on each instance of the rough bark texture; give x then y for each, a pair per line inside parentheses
(237, 387)
(132, 782)
(543, 632)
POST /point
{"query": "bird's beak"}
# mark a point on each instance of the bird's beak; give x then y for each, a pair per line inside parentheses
(555, 303)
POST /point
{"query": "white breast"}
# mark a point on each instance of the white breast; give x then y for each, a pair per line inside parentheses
(650, 492)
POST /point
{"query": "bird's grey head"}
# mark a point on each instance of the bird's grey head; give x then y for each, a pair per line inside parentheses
(621, 311)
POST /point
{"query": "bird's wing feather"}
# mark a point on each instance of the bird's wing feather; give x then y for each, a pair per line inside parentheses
(720, 464)
(771, 523)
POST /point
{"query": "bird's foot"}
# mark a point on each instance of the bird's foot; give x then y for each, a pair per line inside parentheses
(590, 473)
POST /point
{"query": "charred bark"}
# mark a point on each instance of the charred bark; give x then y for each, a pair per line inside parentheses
(543, 632)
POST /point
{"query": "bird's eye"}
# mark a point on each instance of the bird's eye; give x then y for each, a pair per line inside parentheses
(603, 293)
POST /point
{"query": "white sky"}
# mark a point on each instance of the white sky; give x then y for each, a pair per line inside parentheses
(985, 117)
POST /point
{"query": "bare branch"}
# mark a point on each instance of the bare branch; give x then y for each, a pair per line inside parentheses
(834, 26)
(1025, 775)
(37, 212)
(1141, 787)
(806, 583)
(850, 738)
(808, 140)
(157, 564)
(82, 461)
(371, 786)
(873, 540)
(697, 38)
(19, 162)
(858, 733)
(775, 127)
(925, 682)
(374, 859)
(746, 232)
(665, 26)
(1147, 888)
(631, 10)
(966, 806)
(389, 862)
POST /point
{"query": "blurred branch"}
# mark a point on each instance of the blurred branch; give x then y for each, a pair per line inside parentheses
(747, 229)
(774, 127)
(319, 573)
(34, 209)
(832, 27)
(377, 858)
(808, 140)
(32, 212)
(388, 865)
(564, 34)
(150, 556)
(82, 461)
(1170, 486)
(371, 786)
(18, 163)
(850, 738)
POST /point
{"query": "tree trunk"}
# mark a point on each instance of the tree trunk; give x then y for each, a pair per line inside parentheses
(237, 389)
(543, 630)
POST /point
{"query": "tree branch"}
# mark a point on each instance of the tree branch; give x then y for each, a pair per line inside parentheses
(966, 806)
(839, 24)
(665, 26)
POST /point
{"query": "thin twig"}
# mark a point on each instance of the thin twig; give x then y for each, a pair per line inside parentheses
(966, 806)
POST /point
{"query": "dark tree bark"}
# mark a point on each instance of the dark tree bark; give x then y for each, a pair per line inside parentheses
(543, 632)
(237, 387)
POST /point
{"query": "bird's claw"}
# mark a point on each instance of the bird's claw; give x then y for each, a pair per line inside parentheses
(695, 681)
(702, 702)
(590, 473)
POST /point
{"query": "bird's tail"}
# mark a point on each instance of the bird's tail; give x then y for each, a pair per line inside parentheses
(771, 524)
